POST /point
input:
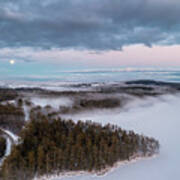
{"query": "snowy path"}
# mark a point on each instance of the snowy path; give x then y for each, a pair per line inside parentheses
(10, 140)
(8, 150)
(12, 136)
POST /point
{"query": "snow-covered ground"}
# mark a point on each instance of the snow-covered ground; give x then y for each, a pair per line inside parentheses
(8, 150)
(10, 140)
(12, 135)
(157, 118)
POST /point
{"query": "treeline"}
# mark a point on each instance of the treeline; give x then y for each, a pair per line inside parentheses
(89, 104)
(52, 146)
(99, 103)
(10, 109)
(2, 146)
(81, 104)
(7, 94)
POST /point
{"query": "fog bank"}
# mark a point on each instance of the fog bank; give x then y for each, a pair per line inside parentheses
(54, 102)
(158, 118)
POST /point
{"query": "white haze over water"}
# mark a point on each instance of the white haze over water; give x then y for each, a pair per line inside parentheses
(157, 118)
(54, 102)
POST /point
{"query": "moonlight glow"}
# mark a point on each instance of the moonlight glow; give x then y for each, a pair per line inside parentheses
(12, 61)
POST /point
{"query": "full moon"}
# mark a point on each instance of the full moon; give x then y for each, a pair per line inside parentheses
(12, 61)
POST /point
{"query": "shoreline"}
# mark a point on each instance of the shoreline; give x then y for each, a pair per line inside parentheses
(101, 173)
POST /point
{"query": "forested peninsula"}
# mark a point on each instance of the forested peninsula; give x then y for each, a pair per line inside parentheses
(49, 144)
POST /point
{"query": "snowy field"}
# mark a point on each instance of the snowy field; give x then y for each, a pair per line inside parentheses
(159, 118)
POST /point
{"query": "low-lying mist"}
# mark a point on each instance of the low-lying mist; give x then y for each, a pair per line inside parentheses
(133, 104)
(148, 113)
(157, 117)
(53, 102)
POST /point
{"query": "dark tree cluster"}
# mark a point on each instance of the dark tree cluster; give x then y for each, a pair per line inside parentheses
(2, 146)
(99, 103)
(11, 117)
(10, 109)
(55, 145)
(89, 104)
(7, 94)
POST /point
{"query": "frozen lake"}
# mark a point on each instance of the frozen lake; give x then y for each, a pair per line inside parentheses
(157, 118)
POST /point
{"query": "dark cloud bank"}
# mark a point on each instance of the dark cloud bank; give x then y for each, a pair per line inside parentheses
(88, 24)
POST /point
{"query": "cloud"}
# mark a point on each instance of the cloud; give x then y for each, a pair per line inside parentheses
(91, 24)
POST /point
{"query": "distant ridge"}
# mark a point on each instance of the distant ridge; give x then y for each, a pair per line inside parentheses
(153, 82)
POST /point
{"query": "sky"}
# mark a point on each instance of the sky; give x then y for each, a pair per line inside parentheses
(63, 35)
